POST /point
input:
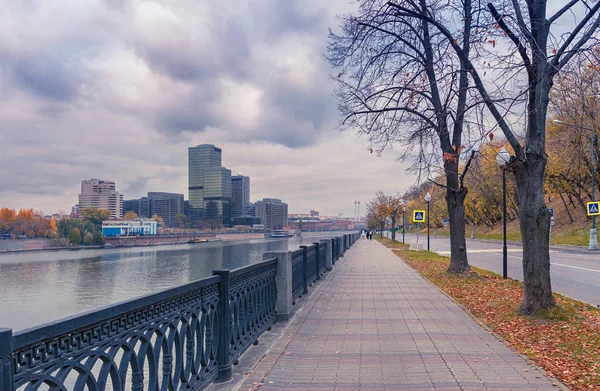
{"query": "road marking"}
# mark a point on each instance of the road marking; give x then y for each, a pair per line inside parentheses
(496, 252)
(574, 267)
(493, 251)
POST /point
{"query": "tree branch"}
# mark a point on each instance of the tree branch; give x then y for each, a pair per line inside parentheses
(514, 143)
(561, 11)
(462, 176)
(556, 62)
(438, 184)
(522, 50)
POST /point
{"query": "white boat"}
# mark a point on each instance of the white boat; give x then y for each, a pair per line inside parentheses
(279, 233)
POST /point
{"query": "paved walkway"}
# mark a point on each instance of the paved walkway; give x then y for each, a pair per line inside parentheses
(376, 324)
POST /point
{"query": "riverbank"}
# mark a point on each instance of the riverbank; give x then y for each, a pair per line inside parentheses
(22, 245)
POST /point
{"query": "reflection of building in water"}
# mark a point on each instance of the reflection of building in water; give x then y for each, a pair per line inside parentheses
(203, 259)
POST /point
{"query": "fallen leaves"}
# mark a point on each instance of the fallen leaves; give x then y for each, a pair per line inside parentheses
(564, 341)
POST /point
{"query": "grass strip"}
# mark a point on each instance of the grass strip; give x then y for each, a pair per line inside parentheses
(564, 341)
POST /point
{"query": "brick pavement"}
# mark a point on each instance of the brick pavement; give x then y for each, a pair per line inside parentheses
(375, 324)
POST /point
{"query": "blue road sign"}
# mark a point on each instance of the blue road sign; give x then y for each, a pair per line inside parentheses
(419, 216)
(445, 220)
(551, 211)
(593, 208)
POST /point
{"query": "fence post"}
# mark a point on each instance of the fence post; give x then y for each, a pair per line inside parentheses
(6, 369)
(333, 254)
(341, 246)
(328, 258)
(283, 282)
(304, 269)
(317, 259)
(224, 328)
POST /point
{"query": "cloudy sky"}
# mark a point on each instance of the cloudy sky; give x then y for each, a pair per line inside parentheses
(118, 89)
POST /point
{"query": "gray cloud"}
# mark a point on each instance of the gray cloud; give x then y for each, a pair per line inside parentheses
(118, 89)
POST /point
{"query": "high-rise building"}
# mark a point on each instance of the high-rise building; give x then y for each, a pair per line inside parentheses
(209, 185)
(240, 195)
(140, 206)
(166, 205)
(273, 213)
(96, 193)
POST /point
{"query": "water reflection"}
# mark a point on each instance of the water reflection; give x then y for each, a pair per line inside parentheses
(39, 287)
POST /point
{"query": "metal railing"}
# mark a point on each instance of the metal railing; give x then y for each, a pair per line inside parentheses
(181, 338)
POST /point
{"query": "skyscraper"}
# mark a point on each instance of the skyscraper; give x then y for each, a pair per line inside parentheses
(240, 195)
(96, 193)
(209, 185)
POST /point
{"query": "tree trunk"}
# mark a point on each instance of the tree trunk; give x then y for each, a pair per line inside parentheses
(394, 226)
(455, 200)
(535, 230)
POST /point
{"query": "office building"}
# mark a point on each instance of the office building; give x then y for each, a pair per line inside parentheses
(166, 205)
(136, 227)
(140, 206)
(273, 213)
(96, 193)
(240, 195)
(209, 185)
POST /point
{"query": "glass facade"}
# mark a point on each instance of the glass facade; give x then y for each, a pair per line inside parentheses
(240, 195)
(209, 185)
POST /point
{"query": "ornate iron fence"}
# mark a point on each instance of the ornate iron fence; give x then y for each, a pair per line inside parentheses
(125, 346)
(179, 339)
(311, 260)
(297, 274)
(322, 255)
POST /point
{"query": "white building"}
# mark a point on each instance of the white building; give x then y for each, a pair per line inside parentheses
(136, 227)
(96, 193)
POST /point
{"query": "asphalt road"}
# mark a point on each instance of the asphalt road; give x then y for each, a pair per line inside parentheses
(574, 274)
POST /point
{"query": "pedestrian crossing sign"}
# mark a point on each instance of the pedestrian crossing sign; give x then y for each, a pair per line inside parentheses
(593, 208)
(418, 216)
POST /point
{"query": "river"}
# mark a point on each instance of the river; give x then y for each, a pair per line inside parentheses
(40, 287)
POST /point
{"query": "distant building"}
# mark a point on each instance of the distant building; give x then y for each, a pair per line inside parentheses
(141, 227)
(314, 213)
(96, 193)
(240, 195)
(273, 213)
(245, 220)
(75, 211)
(166, 205)
(209, 185)
(140, 206)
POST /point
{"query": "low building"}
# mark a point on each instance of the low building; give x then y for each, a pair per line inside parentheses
(136, 227)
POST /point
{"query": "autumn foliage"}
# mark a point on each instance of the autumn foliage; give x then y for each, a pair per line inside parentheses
(26, 222)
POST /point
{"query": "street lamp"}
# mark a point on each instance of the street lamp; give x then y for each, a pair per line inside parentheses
(502, 159)
(403, 222)
(593, 243)
(428, 200)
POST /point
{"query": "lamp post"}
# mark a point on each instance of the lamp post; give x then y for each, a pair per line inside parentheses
(403, 222)
(502, 159)
(428, 200)
(593, 243)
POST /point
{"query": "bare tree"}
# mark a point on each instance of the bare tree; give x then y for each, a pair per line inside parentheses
(402, 83)
(526, 29)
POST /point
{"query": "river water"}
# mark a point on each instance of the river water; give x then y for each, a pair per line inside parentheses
(40, 287)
